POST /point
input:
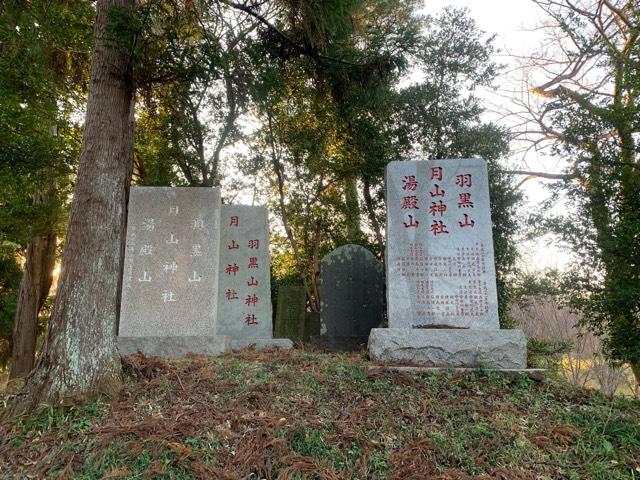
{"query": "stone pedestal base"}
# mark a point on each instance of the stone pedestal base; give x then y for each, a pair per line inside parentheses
(537, 374)
(173, 347)
(493, 349)
(261, 343)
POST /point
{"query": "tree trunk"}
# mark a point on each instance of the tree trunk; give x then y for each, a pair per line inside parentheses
(375, 225)
(354, 232)
(80, 357)
(635, 368)
(34, 289)
(314, 301)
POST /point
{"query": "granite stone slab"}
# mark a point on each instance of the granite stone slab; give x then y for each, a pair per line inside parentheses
(311, 325)
(261, 343)
(439, 256)
(494, 349)
(170, 278)
(244, 311)
(174, 347)
(351, 292)
(537, 374)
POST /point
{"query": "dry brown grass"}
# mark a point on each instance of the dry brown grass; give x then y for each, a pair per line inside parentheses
(300, 414)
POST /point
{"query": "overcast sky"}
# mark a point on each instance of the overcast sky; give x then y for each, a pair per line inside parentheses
(513, 22)
(507, 18)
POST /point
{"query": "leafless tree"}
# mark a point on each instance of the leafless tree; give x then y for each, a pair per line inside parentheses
(583, 365)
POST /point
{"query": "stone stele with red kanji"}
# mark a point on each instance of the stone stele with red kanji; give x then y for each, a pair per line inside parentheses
(196, 274)
(244, 290)
(441, 282)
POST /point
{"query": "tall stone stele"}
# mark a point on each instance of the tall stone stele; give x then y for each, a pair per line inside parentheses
(441, 286)
(351, 294)
(244, 295)
(171, 270)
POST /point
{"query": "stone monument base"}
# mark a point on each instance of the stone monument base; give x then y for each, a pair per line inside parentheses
(339, 344)
(493, 349)
(537, 374)
(174, 346)
(261, 343)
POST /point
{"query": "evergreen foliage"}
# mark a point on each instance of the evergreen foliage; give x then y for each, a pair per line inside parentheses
(43, 74)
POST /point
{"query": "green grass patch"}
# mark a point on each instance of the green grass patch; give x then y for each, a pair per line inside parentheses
(303, 414)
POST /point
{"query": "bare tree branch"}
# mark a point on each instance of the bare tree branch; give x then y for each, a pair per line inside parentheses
(549, 176)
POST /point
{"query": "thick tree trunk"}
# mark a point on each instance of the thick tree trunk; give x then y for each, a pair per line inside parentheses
(80, 357)
(34, 289)
(635, 368)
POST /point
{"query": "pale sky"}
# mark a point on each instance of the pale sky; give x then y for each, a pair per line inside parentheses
(513, 22)
(506, 18)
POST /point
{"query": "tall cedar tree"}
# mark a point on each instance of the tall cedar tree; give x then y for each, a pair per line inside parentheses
(80, 356)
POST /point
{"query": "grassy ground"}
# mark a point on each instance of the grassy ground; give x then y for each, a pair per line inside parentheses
(300, 414)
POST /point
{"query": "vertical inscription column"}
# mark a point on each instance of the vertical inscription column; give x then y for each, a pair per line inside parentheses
(171, 262)
(440, 266)
(244, 311)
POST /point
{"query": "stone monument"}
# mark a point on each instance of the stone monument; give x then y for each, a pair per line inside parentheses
(311, 326)
(351, 294)
(244, 310)
(170, 278)
(290, 312)
(441, 289)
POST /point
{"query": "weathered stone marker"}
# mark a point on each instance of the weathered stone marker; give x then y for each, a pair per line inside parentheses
(441, 290)
(290, 312)
(170, 279)
(244, 311)
(311, 325)
(351, 293)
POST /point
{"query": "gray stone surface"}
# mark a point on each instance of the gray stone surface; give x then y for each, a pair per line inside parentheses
(494, 349)
(261, 343)
(340, 344)
(311, 325)
(351, 292)
(244, 311)
(537, 374)
(290, 312)
(440, 266)
(176, 346)
(170, 279)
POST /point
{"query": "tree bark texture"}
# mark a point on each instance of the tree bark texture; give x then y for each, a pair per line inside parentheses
(354, 232)
(80, 358)
(375, 225)
(635, 368)
(34, 289)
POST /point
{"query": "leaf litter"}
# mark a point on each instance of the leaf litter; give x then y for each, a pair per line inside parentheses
(303, 414)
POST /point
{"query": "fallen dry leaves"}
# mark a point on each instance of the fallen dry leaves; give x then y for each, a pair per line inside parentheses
(293, 415)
